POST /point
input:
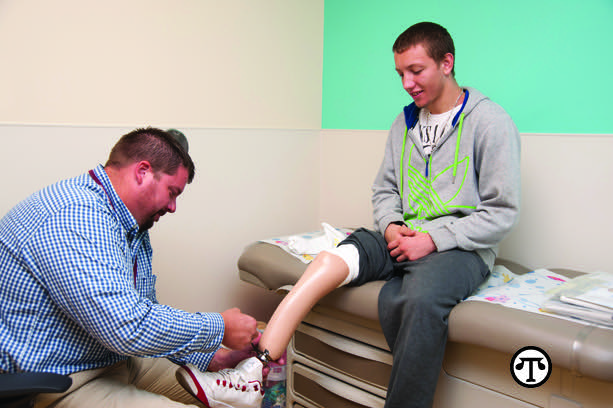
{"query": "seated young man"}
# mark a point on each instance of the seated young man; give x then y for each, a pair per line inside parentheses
(446, 194)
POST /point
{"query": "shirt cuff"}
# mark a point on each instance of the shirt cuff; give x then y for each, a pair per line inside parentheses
(216, 328)
(386, 221)
(444, 239)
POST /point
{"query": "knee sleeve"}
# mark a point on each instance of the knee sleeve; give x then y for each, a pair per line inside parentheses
(350, 255)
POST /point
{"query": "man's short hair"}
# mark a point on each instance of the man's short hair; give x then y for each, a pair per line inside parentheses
(163, 151)
(433, 37)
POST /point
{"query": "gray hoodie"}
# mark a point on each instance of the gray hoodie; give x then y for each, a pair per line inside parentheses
(466, 194)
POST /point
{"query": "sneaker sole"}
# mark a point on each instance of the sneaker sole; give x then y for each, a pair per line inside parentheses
(186, 378)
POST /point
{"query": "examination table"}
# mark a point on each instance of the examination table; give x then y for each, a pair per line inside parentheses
(339, 358)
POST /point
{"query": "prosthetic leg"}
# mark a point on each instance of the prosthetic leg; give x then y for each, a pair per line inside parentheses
(324, 274)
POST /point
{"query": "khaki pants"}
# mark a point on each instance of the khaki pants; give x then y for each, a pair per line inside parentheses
(134, 383)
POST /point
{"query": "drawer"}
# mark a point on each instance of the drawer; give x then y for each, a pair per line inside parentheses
(331, 353)
(313, 389)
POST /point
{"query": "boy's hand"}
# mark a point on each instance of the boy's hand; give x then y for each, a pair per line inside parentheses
(411, 247)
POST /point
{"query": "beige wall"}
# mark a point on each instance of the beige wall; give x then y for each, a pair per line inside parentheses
(250, 184)
(254, 184)
(350, 160)
(190, 63)
(242, 78)
(566, 203)
(566, 195)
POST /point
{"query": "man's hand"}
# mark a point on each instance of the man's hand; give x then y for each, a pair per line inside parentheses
(226, 358)
(406, 244)
(240, 329)
(397, 231)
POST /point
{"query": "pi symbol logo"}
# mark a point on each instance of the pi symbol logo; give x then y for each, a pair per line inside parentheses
(531, 367)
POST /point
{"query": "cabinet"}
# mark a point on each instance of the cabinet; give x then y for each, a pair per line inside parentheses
(339, 357)
(328, 369)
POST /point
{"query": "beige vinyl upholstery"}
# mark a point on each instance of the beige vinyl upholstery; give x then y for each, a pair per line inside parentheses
(475, 328)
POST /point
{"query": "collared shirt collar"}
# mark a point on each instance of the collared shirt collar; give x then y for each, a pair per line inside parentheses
(124, 215)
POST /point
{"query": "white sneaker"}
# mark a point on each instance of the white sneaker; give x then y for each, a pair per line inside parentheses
(239, 387)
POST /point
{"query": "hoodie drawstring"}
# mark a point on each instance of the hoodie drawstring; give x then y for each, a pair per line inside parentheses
(457, 147)
(428, 161)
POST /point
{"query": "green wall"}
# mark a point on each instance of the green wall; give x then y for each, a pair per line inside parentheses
(548, 63)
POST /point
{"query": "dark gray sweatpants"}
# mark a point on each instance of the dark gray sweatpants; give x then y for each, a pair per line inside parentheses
(414, 306)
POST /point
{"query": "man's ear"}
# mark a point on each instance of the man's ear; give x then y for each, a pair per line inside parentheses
(447, 63)
(140, 171)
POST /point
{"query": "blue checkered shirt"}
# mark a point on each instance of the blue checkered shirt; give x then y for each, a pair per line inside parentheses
(71, 297)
